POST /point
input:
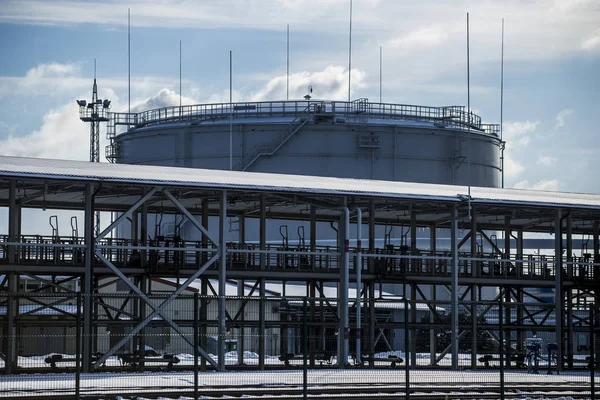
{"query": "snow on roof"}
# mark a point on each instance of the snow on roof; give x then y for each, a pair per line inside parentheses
(204, 178)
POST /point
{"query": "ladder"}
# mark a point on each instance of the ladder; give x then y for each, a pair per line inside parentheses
(271, 148)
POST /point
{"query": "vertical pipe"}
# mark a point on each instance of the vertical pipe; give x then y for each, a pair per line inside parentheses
(305, 349)
(558, 295)
(502, 99)
(501, 340)
(358, 282)
(89, 241)
(371, 283)
(474, 273)
(11, 362)
(350, 54)
(128, 61)
(569, 292)
(596, 251)
(343, 291)
(203, 319)
(180, 78)
(313, 235)
(454, 286)
(469, 114)
(230, 111)
(78, 347)
(222, 278)
(262, 326)
(287, 96)
(432, 292)
(592, 351)
(263, 231)
(380, 73)
(196, 353)
(407, 353)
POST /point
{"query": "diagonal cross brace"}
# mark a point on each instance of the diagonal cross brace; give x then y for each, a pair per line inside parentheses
(158, 310)
(126, 214)
(190, 217)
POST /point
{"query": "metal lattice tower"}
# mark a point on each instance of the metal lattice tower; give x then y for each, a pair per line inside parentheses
(94, 112)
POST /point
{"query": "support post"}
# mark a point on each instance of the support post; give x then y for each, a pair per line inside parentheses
(196, 353)
(432, 292)
(558, 295)
(569, 292)
(507, 233)
(263, 232)
(313, 234)
(11, 362)
(358, 283)
(89, 240)
(343, 290)
(222, 279)
(454, 286)
(475, 273)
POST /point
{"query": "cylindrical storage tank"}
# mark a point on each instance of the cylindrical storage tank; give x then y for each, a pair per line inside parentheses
(359, 139)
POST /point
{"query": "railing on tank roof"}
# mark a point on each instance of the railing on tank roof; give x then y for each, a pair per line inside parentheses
(358, 111)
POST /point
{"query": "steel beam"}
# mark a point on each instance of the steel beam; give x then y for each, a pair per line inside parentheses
(126, 214)
(157, 310)
(190, 217)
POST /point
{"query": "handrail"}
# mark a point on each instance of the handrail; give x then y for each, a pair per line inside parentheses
(455, 116)
(357, 111)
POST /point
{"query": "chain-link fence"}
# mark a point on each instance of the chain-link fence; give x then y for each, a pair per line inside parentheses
(290, 347)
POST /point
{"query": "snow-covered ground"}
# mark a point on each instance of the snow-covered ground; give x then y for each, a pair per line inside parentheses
(138, 383)
(127, 383)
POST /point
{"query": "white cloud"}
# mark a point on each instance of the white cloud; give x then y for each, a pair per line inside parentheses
(546, 160)
(331, 83)
(52, 70)
(512, 167)
(426, 37)
(547, 185)
(164, 98)
(62, 136)
(517, 133)
(591, 43)
(561, 117)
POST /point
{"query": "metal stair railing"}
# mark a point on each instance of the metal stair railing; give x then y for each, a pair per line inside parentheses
(128, 119)
(271, 148)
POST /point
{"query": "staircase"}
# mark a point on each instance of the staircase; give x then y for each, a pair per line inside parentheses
(112, 150)
(271, 148)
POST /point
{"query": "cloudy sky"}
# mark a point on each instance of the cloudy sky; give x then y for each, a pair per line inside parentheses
(552, 67)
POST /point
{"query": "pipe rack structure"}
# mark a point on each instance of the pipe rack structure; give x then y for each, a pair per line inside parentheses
(208, 197)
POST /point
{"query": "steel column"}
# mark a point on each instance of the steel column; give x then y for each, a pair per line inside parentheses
(558, 295)
(432, 292)
(261, 326)
(475, 271)
(263, 231)
(358, 266)
(222, 278)
(569, 292)
(11, 362)
(343, 289)
(454, 286)
(507, 233)
(88, 292)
